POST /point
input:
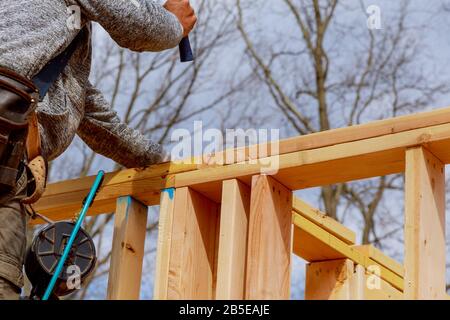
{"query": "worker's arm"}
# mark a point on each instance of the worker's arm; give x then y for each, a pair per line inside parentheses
(149, 27)
(103, 131)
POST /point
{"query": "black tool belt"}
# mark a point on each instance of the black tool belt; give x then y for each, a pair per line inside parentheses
(18, 100)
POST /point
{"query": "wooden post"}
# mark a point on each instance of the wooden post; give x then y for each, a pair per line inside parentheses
(164, 242)
(233, 240)
(270, 240)
(193, 259)
(424, 225)
(130, 222)
(331, 280)
(358, 283)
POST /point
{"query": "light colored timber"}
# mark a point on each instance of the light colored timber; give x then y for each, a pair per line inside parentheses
(233, 240)
(381, 258)
(341, 162)
(130, 223)
(376, 288)
(165, 223)
(313, 244)
(321, 219)
(63, 199)
(330, 280)
(357, 282)
(345, 280)
(365, 285)
(193, 252)
(340, 135)
(425, 250)
(269, 240)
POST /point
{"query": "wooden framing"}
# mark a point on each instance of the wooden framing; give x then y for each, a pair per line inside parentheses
(330, 280)
(193, 249)
(269, 240)
(234, 218)
(313, 243)
(130, 223)
(334, 156)
(227, 231)
(166, 211)
(424, 225)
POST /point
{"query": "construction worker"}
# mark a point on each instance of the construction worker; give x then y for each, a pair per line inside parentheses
(33, 33)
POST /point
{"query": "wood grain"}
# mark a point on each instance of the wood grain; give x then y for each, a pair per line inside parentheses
(425, 246)
(270, 240)
(125, 271)
(233, 240)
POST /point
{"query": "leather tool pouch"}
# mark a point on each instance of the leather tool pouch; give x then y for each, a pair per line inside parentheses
(18, 100)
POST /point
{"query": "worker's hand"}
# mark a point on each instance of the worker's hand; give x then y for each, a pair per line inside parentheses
(184, 12)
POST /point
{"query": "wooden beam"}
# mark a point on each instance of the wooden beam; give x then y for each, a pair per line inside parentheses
(376, 288)
(353, 133)
(233, 240)
(381, 258)
(306, 167)
(130, 222)
(166, 211)
(424, 225)
(333, 164)
(270, 240)
(345, 280)
(324, 221)
(193, 252)
(314, 244)
(62, 199)
(329, 280)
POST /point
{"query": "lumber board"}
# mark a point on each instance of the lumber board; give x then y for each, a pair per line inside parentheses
(347, 161)
(344, 280)
(130, 223)
(365, 285)
(232, 253)
(346, 134)
(425, 246)
(62, 199)
(333, 164)
(269, 240)
(313, 244)
(193, 253)
(165, 224)
(382, 259)
(304, 209)
(381, 290)
(328, 280)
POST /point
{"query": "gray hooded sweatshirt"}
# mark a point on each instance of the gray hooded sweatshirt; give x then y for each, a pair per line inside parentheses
(32, 32)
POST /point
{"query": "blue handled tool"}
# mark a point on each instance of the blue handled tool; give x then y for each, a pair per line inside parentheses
(186, 54)
(87, 203)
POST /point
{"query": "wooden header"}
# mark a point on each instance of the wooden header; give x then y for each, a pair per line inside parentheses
(324, 158)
